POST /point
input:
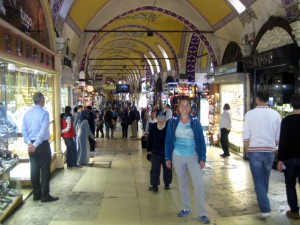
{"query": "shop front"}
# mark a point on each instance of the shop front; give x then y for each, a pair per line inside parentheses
(27, 65)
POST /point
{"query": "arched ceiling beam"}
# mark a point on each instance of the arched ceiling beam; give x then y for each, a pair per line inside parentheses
(148, 30)
(167, 12)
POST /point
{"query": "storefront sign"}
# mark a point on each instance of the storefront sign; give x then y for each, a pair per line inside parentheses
(227, 68)
(28, 17)
(109, 87)
(263, 59)
(234, 67)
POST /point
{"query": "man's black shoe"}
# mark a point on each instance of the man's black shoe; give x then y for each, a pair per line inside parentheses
(36, 197)
(167, 187)
(224, 156)
(49, 198)
(153, 188)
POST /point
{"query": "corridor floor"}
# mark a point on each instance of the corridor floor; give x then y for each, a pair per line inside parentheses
(114, 190)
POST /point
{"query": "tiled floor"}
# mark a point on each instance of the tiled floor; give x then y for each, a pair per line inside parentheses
(114, 190)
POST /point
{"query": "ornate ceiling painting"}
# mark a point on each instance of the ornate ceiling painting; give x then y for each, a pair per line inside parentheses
(117, 36)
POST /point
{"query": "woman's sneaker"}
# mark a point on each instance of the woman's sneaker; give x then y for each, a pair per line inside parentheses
(204, 219)
(263, 216)
(184, 213)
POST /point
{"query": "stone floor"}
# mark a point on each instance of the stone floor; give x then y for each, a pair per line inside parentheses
(114, 190)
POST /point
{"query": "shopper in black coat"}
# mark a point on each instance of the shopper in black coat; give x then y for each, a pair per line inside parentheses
(156, 147)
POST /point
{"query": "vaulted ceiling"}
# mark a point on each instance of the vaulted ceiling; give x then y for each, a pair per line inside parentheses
(116, 36)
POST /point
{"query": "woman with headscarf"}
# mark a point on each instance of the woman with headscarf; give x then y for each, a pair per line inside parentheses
(83, 144)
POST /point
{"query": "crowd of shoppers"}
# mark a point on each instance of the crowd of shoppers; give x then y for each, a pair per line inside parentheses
(173, 142)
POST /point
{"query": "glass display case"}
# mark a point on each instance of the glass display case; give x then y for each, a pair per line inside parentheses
(233, 94)
(18, 83)
(214, 118)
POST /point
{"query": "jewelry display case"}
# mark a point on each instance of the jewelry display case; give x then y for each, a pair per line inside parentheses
(23, 82)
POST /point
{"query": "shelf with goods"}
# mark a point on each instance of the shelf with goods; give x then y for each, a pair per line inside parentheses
(177, 90)
(233, 94)
(11, 196)
(213, 99)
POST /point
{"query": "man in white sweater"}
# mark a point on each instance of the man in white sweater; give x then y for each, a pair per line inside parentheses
(225, 127)
(261, 135)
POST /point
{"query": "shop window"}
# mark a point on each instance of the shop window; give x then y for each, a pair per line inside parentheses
(19, 46)
(8, 40)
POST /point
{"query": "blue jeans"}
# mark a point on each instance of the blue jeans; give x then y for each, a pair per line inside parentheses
(261, 165)
(71, 152)
(291, 173)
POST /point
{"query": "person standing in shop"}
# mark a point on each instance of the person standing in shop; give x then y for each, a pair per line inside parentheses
(68, 134)
(225, 127)
(289, 155)
(185, 148)
(261, 131)
(156, 147)
(35, 131)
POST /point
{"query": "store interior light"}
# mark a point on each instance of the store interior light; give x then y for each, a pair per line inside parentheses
(11, 67)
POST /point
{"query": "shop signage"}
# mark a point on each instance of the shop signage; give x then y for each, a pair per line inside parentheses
(234, 67)
(28, 17)
(263, 59)
(109, 87)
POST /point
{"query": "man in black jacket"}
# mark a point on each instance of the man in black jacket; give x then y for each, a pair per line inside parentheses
(156, 147)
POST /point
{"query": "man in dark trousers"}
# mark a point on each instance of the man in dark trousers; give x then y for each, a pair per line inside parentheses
(156, 147)
(35, 131)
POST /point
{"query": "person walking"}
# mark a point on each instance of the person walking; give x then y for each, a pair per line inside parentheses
(261, 135)
(35, 131)
(133, 122)
(289, 155)
(68, 134)
(124, 122)
(83, 145)
(92, 126)
(108, 118)
(156, 147)
(225, 126)
(151, 121)
(99, 124)
(185, 149)
(169, 113)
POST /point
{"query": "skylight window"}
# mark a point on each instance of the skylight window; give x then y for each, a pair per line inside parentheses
(150, 64)
(239, 7)
(164, 53)
(155, 61)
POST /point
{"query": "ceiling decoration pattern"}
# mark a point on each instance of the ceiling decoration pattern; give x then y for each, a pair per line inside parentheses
(99, 40)
(172, 14)
(143, 43)
(175, 63)
(192, 57)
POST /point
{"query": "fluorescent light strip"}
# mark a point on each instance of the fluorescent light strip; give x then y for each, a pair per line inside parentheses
(239, 7)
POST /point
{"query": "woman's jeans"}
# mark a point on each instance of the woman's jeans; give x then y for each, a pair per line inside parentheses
(291, 173)
(183, 165)
(261, 165)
